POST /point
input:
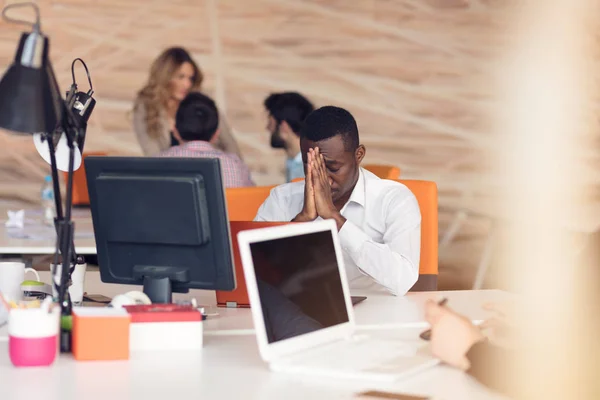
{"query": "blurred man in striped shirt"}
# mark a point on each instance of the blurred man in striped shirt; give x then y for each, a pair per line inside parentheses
(197, 122)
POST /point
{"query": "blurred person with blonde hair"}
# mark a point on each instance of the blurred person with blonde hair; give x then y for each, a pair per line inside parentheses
(173, 75)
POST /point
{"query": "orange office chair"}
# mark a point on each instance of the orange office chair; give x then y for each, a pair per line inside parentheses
(81, 196)
(243, 203)
(427, 196)
(383, 171)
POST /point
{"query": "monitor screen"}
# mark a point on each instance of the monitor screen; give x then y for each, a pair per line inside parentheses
(299, 284)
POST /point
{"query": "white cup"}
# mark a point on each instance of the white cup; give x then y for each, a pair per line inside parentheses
(12, 275)
(77, 282)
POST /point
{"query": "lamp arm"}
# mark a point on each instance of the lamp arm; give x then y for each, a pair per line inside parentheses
(36, 26)
(66, 228)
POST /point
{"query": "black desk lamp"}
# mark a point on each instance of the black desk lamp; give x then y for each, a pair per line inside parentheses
(30, 103)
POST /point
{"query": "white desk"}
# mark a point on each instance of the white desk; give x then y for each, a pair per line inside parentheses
(379, 311)
(84, 238)
(229, 367)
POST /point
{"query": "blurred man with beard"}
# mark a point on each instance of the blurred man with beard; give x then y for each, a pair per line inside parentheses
(287, 112)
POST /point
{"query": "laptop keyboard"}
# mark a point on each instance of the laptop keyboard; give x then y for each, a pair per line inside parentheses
(360, 355)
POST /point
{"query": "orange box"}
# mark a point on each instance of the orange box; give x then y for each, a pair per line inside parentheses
(100, 333)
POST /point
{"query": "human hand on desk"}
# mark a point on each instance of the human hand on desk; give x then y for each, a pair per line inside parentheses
(500, 329)
(452, 335)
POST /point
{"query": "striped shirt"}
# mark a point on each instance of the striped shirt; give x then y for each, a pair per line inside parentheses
(235, 172)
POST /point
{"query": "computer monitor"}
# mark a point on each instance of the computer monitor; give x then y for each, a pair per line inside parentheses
(161, 223)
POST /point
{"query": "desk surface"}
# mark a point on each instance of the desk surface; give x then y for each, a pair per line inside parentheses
(43, 240)
(228, 367)
(379, 311)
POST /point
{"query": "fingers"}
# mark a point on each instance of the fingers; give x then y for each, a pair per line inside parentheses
(500, 311)
(492, 307)
(433, 311)
(310, 167)
(488, 323)
(321, 167)
(500, 308)
(323, 170)
(315, 168)
(315, 165)
(309, 172)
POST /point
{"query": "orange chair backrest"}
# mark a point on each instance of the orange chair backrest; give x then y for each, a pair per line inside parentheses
(427, 196)
(243, 203)
(383, 171)
(81, 196)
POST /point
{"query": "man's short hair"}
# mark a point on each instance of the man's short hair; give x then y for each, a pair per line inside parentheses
(197, 118)
(290, 107)
(329, 121)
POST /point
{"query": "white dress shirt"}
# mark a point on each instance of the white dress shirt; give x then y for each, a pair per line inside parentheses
(381, 237)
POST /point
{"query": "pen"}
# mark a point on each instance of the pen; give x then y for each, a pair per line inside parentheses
(426, 335)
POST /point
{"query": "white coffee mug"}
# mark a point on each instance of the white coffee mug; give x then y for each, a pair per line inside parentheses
(77, 282)
(12, 275)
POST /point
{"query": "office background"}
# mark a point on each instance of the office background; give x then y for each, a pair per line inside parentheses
(415, 73)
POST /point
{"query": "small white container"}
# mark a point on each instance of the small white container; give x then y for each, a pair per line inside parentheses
(77, 287)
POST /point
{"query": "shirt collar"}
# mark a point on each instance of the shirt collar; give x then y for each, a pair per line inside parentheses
(358, 194)
(198, 145)
(298, 157)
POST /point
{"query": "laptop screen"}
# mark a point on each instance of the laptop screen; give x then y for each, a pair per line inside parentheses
(299, 284)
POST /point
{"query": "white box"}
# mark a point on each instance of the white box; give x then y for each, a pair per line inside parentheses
(186, 335)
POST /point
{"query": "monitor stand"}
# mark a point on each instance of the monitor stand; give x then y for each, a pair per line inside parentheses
(158, 281)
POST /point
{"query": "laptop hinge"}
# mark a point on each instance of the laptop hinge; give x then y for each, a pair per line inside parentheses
(231, 304)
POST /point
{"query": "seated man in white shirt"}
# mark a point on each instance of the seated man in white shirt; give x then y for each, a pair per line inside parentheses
(379, 220)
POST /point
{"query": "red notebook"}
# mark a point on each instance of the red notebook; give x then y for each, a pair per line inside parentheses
(163, 313)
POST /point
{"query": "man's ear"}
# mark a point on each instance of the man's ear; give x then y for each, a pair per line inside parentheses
(215, 137)
(359, 154)
(285, 130)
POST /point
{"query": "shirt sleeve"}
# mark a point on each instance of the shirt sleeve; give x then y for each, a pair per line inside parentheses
(394, 264)
(273, 209)
(149, 146)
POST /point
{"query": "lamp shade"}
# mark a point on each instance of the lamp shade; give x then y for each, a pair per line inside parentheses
(29, 95)
(61, 150)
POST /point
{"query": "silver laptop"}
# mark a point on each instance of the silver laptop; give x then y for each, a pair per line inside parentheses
(302, 309)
